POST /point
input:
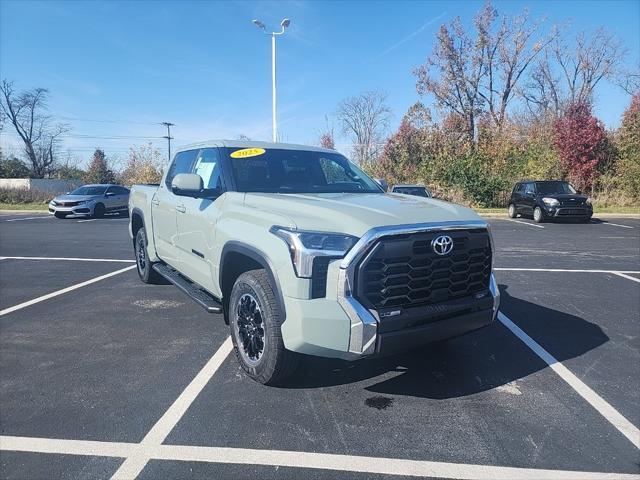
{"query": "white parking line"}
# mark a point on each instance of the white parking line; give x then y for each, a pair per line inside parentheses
(523, 223)
(28, 218)
(609, 223)
(628, 277)
(135, 463)
(569, 270)
(614, 417)
(283, 458)
(87, 220)
(63, 291)
(70, 259)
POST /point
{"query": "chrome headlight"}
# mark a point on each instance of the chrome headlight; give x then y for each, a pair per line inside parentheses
(550, 202)
(54, 203)
(588, 201)
(305, 246)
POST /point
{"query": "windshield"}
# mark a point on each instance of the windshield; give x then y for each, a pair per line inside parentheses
(297, 171)
(416, 191)
(554, 187)
(89, 191)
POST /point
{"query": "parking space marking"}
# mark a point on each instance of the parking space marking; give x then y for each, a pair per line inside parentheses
(523, 223)
(602, 222)
(614, 417)
(135, 463)
(63, 291)
(292, 459)
(87, 220)
(70, 259)
(28, 218)
(564, 270)
(628, 277)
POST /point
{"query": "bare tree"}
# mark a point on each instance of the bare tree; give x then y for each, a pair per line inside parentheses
(509, 52)
(470, 75)
(26, 111)
(364, 118)
(629, 81)
(569, 74)
(454, 72)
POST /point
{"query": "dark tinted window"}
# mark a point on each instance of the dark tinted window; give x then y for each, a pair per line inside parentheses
(297, 171)
(182, 163)
(554, 187)
(529, 188)
(122, 191)
(89, 191)
(207, 165)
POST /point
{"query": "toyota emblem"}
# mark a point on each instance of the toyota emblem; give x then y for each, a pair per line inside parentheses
(442, 245)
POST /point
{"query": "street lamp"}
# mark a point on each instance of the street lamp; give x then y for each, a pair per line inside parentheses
(283, 24)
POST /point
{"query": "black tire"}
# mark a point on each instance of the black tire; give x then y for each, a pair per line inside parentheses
(60, 215)
(538, 215)
(145, 267)
(511, 211)
(254, 321)
(98, 210)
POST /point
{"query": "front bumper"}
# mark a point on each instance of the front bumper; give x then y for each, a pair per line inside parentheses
(83, 209)
(581, 211)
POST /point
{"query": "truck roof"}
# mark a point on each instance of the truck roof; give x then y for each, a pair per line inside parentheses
(253, 144)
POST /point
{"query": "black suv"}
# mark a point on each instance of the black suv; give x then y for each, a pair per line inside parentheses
(549, 200)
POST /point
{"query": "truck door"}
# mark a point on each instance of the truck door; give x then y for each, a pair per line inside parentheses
(197, 222)
(163, 207)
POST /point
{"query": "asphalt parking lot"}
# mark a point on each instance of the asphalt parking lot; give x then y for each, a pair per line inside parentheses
(102, 376)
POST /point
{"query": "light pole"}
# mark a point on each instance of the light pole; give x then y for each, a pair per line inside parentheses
(168, 137)
(283, 24)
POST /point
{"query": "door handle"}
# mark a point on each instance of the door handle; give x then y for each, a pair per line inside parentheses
(181, 208)
(155, 201)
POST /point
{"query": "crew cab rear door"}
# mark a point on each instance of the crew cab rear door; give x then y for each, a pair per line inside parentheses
(164, 205)
(196, 220)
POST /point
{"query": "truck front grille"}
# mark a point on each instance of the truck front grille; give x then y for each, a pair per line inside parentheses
(404, 271)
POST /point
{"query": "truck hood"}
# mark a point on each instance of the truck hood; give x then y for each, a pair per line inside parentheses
(356, 213)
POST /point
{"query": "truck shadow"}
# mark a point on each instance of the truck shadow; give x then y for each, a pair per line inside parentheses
(482, 360)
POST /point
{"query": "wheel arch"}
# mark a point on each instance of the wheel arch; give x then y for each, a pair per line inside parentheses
(237, 258)
(137, 222)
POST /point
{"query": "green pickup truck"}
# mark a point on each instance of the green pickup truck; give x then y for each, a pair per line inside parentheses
(302, 253)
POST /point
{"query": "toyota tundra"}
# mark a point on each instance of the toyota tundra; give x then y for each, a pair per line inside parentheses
(303, 253)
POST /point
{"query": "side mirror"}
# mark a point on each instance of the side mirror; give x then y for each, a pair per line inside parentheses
(383, 183)
(109, 194)
(187, 185)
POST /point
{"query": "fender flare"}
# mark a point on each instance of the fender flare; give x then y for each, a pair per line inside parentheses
(260, 257)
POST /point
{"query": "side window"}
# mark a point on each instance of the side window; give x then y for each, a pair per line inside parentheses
(333, 172)
(182, 163)
(122, 191)
(529, 189)
(111, 190)
(207, 165)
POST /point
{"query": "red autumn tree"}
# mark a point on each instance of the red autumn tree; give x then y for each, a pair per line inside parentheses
(580, 139)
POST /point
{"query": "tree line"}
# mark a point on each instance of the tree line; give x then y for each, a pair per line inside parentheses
(512, 99)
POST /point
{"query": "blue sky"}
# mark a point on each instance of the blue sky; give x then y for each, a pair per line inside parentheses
(206, 68)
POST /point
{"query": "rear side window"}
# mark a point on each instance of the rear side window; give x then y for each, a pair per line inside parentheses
(207, 165)
(529, 188)
(182, 163)
(122, 190)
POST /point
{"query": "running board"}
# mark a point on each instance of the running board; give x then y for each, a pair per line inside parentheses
(202, 298)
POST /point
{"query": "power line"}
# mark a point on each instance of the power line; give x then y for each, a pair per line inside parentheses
(76, 119)
(100, 137)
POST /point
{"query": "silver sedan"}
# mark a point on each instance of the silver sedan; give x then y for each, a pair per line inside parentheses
(91, 200)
